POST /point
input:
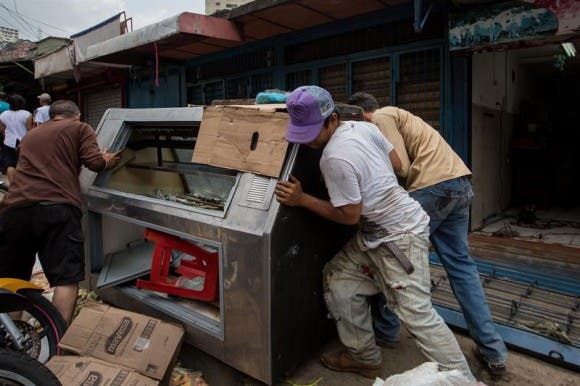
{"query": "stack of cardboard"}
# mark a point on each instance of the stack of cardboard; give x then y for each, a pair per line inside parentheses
(116, 347)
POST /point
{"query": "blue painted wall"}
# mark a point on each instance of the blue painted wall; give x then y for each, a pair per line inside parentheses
(142, 91)
(455, 73)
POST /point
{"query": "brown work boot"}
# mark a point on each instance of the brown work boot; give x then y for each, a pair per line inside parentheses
(341, 360)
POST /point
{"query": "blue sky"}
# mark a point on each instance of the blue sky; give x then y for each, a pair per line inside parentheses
(66, 17)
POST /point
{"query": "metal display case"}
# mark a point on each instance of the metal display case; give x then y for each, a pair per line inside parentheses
(270, 315)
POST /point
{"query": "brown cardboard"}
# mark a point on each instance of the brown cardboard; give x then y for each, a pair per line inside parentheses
(144, 344)
(85, 371)
(225, 138)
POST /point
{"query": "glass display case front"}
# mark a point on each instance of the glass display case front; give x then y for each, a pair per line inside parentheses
(156, 164)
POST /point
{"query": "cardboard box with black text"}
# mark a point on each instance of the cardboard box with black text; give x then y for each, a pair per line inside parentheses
(122, 338)
(83, 371)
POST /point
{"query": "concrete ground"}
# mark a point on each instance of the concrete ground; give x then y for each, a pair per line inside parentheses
(522, 369)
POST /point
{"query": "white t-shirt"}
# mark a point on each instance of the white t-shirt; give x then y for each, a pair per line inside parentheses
(41, 114)
(15, 122)
(356, 168)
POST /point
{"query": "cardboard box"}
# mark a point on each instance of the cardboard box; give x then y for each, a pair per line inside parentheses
(84, 371)
(248, 138)
(122, 338)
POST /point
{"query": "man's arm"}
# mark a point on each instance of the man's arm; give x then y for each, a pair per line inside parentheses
(388, 127)
(396, 161)
(91, 156)
(290, 193)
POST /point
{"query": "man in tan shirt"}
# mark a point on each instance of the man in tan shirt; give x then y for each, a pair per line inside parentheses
(438, 179)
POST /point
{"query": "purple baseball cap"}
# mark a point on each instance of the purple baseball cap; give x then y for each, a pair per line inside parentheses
(308, 107)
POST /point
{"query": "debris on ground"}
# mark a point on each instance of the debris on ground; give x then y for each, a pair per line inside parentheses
(427, 374)
(506, 231)
(315, 383)
(549, 328)
(83, 297)
(39, 279)
(186, 377)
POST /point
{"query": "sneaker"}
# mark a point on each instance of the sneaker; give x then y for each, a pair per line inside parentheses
(496, 369)
(342, 361)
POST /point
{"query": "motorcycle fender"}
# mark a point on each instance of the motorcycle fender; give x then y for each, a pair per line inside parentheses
(12, 301)
(16, 285)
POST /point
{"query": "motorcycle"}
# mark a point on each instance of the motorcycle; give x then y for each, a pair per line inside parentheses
(39, 329)
(18, 369)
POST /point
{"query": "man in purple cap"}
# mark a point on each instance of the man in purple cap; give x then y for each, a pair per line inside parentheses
(389, 253)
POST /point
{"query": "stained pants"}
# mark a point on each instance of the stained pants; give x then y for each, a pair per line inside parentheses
(353, 275)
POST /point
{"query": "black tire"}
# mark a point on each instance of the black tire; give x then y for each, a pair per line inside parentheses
(50, 321)
(21, 370)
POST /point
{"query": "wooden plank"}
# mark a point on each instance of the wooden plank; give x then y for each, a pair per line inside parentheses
(538, 250)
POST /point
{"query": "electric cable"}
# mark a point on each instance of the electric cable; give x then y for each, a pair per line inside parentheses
(27, 27)
(23, 24)
(38, 21)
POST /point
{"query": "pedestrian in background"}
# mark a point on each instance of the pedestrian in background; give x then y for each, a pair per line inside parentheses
(41, 113)
(4, 105)
(14, 123)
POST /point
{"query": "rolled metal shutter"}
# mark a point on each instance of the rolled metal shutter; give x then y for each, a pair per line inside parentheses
(261, 82)
(237, 88)
(419, 88)
(373, 76)
(298, 78)
(195, 95)
(97, 100)
(333, 79)
(213, 90)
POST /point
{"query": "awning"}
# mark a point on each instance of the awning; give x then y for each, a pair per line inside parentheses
(190, 35)
(169, 39)
(64, 63)
(59, 61)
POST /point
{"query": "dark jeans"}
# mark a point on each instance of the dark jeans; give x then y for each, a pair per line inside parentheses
(447, 204)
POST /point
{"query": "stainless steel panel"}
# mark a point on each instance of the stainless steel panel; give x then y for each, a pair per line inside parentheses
(201, 317)
(257, 192)
(271, 313)
(113, 120)
(128, 264)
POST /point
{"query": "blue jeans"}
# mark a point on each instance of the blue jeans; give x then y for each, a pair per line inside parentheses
(447, 203)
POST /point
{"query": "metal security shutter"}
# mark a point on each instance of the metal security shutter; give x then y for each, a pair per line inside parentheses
(298, 78)
(418, 90)
(237, 88)
(261, 82)
(373, 76)
(333, 79)
(195, 95)
(214, 90)
(98, 100)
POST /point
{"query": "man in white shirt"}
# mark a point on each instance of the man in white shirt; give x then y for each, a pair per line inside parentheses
(389, 254)
(41, 113)
(14, 124)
